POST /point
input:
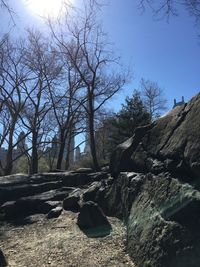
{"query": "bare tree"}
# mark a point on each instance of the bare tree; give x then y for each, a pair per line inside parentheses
(167, 8)
(83, 42)
(12, 78)
(4, 4)
(66, 109)
(43, 70)
(153, 97)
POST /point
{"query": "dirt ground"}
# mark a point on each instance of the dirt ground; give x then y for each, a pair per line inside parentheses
(60, 243)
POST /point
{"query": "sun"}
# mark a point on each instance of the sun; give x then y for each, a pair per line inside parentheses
(46, 8)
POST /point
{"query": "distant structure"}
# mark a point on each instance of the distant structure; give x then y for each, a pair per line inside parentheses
(179, 103)
(18, 151)
(21, 146)
(54, 145)
(77, 154)
(69, 150)
(87, 150)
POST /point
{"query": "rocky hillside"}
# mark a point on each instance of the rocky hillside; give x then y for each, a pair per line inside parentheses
(153, 186)
(160, 199)
(171, 144)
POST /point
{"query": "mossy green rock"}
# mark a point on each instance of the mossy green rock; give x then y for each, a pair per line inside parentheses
(163, 226)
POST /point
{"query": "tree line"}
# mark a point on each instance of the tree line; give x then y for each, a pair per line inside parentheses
(55, 86)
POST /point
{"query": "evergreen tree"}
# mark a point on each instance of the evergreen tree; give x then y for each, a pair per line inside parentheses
(132, 115)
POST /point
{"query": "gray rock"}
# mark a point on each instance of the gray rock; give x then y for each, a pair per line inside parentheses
(23, 195)
(117, 199)
(92, 221)
(121, 158)
(169, 144)
(83, 170)
(54, 213)
(72, 201)
(15, 192)
(3, 262)
(12, 210)
(90, 193)
(163, 227)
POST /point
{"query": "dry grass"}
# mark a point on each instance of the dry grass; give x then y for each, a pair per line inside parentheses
(60, 243)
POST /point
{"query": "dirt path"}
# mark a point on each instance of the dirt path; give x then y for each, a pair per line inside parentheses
(60, 243)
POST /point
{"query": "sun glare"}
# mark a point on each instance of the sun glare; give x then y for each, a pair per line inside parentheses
(46, 8)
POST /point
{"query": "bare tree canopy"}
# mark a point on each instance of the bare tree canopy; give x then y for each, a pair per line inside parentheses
(54, 89)
(4, 4)
(84, 45)
(153, 98)
(167, 8)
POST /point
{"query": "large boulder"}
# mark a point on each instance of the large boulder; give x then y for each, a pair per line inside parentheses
(92, 220)
(163, 226)
(169, 144)
(121, 157)
(161, 201)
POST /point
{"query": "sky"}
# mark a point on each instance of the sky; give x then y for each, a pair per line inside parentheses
(164, 52)
(167, 53)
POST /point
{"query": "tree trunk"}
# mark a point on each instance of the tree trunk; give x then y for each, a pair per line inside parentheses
(34, 156)
(9, 162)
(61, 151)
(67, 158)
(67, 161)
(92, 138)
(9, 156)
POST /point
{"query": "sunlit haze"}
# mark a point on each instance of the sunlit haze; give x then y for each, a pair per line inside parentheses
(46, 8)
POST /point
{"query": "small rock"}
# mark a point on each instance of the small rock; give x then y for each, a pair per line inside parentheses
(72, 201)
(90, 193)
(54, 213)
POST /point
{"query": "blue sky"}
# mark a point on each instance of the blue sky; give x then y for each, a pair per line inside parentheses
(167, 53)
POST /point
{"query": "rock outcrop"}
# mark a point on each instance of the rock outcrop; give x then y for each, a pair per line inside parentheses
(171, 144)
(24, 195)
(163, 226)
(154, 187)
(161, 201)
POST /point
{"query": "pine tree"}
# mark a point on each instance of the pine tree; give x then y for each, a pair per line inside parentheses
(132, 115)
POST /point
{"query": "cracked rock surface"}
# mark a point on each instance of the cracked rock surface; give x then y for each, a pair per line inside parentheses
(156, 189)
(171, 144)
